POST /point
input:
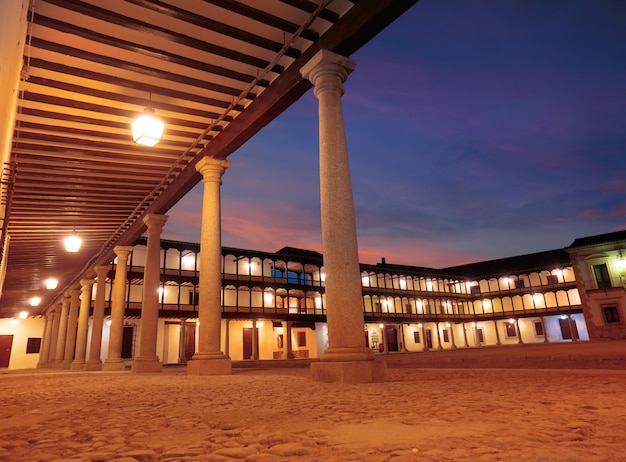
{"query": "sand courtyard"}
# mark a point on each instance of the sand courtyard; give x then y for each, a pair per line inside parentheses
(514, 404)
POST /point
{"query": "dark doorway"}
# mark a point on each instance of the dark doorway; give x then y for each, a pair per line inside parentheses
(247, 342)
(429, 337)
(6, 343)
(391, 337)
(480, 335)
(127, 342)
(190, 336)
(568, 330)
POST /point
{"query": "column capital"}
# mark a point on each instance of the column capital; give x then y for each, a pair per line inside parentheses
(74, 293)
(102, 271)
(155, 221)
(85, 283)
(327, 70)
(122, 251)
(212, 169)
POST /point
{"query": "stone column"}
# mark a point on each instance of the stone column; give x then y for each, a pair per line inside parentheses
(80, 352)
(451, 326)
(287, 340)
(424, 340)
(347, 359)
(255, 343)
(94, 363)
(61, 338)
(439, 346)
(72, 326)
(519, 333)
(465, 344)
(227, 337)
(147, 360)
(383, 336)
(495, 325)
(45, 344)
(209, 360)
(54, 336)
(182, 342)
(114, 361)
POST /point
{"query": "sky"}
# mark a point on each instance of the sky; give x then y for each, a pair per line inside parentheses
(476, 130)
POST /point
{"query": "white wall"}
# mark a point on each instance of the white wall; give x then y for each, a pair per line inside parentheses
(24, 329)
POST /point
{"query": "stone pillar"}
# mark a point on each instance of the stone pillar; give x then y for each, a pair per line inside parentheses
(80, 351)
(182, 342)
(495, 325)
(347, 359)
(147, 360)
(72, 326)
(94, 363)
(209, 360)
(114, 361)
(519, 333)
(61, 338)
(45, 343)
(402, 339)
(287, 340)
(451, 326)
(383, 336)
(255, 341)
(424, 340)
(227, 337)
(439, 346)
(465, 344)
(54, 336)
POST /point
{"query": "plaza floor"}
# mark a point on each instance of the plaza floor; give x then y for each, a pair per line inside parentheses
(514, 403)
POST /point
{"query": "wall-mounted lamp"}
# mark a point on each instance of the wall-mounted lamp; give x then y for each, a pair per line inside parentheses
(147, 128)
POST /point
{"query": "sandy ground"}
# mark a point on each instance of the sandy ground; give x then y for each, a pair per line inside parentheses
(475, 412)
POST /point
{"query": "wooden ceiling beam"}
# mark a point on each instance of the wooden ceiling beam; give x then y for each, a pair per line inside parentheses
(145, 50)
(263, 17)
(150, 30)
(215, 26)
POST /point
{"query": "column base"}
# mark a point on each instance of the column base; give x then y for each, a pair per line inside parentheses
(146, 365)
(349, 371)
(93, 366)
(113, 365)
(209, 364)
(77, 366)
(66, 365)
(349, 365)
(55, 365)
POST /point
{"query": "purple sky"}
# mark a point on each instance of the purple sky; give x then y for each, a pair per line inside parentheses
(476, 130)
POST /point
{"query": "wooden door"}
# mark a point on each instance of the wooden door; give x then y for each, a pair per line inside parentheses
(429, 337)
(128, 335)
(190, 336)
(391, 336)
(247, 343)
(568, 329)
(6, 343)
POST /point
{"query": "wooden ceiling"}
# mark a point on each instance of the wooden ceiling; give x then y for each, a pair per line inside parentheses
(215, 71)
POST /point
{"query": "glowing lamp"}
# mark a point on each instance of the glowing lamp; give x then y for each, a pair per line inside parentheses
(35, 301)
(147, 129)
(73, 243)
(23, 314)
(51, 283)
